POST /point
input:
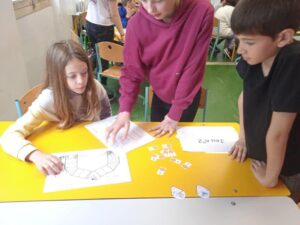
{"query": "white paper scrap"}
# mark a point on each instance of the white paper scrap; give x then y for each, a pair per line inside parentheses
(136, 136)
(155, 157)
(166, 146)
(174, 160)
(186, 165)
(161, 171)
(177, 193)
(152, 148)
(168, 153)
(202, 192)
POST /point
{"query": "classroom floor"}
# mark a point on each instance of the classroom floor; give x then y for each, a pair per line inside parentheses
(224, 86)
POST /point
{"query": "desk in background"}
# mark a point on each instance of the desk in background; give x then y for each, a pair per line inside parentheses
(217, 172)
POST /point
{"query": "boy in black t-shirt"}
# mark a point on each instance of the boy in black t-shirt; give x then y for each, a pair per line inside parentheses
(269, 104)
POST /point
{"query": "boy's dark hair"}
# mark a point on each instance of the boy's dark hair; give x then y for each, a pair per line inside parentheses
(231, 2)
(265, 17)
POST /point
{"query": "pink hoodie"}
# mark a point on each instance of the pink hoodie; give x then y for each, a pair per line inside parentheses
(171, 56)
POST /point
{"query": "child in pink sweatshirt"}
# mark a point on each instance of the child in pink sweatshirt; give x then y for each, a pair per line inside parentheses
(166, 44)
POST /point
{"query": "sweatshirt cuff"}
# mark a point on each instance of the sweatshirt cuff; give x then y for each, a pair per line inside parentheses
(175, 112)
(125, 109)
(25, 151)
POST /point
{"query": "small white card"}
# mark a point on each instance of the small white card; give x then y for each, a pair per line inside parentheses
(212, 139)
(177, 193)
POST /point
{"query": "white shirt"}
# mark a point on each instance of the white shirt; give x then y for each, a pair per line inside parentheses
(98, 12)
(224, 15)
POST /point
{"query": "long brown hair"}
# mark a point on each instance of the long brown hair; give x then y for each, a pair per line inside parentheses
(58, 56)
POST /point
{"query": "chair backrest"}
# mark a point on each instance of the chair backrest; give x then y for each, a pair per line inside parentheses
(82, 19)
(74, 36)
(216, 39)
(203, 98)
(216, 26)
(110, 51)
(234, 51)
(25, 101)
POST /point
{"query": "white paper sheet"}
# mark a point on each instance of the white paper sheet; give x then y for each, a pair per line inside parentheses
(89, 168)
(207, 139)
(136, 136)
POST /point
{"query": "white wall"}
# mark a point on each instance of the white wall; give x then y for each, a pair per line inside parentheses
(37, 33)
(13, 76)
(23, 47)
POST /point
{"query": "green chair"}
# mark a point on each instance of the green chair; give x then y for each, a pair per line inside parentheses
(216, 38)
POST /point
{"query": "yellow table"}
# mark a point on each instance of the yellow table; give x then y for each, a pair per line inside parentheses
(217, 172)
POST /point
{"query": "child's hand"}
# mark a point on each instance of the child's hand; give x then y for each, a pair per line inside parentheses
(259, 170)
(123, 121)
(166, 126)
(46, 163)
(239, 151)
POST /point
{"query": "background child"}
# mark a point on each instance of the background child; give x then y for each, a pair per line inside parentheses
(127, 8)
(224, 15)
(71, 94)
(102, 16)
(269, 105)
(166, 43)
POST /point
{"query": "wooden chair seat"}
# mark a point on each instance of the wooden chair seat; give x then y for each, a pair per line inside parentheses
(113, 53)
(112, 72)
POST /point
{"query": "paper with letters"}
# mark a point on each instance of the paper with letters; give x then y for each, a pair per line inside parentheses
(89, 168)
(207, 138)
(136, 135)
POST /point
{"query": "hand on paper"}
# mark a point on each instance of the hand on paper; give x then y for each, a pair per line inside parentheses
(122, 121)
(46, 163)
(166, 126)
(239, 151)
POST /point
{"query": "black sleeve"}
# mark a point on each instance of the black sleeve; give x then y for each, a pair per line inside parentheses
(242, 68)
(286, 85)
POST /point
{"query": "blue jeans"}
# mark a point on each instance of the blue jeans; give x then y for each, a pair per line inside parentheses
(97, 33)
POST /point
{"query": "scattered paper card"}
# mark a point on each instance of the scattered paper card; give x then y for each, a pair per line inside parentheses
(89, 168)
(155, 157)
(161, 171)
(152, 148)
(202, 192)
(186, 165)
(175, 160)
(207, 139)
(136, 135)
(177, 193)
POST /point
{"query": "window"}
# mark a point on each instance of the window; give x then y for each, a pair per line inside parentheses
(26, 7)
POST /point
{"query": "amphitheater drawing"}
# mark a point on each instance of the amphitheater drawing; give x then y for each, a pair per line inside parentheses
(106, 165)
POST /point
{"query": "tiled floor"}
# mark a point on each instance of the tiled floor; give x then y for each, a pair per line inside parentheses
(224, 87)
